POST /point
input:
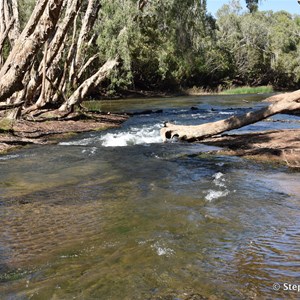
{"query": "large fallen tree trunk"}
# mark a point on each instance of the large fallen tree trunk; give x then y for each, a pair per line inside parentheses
(287, 103)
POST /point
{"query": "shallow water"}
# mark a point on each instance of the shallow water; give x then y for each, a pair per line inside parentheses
(120, 215)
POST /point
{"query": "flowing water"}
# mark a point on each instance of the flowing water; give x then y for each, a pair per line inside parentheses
(121, 215)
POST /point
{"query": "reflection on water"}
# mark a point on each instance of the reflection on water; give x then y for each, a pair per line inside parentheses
(87, 220)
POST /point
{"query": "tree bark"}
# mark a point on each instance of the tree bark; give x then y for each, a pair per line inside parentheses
(52, 57)
(34, 18)
(62, 30)
(86, 66)
(4, 35)
(14, 14)
(287, 102)
(9, 106)
(42, 99)
(87, 24)
(85, 31)
(9, 23)
(25, 49)
(87, 85)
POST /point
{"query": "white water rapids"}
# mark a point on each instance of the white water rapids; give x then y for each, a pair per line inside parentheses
(133, 136)
(147, 134)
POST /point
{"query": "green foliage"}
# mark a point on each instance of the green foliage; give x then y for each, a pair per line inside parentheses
(162, 46)
(6, 124)
(261, 48)
(248, 90)
(117, 33)
(173, 44)
(25, 9)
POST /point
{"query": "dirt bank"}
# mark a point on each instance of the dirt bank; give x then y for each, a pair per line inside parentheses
(277, 146)
(42, 131)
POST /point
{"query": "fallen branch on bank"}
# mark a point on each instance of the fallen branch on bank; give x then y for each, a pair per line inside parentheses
(286, 103)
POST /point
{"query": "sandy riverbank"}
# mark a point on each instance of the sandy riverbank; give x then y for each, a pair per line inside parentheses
(281, 146)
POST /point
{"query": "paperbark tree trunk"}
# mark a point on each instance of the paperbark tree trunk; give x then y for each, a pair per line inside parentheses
(9, 23)
(87, 24)
(32, 79)
(14, 14)
(287, 102)
(52, 58)
(84, 34)
(26, 48)
(4, 35)
(92, 82)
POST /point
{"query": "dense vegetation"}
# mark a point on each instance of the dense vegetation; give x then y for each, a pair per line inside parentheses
(178, 44)
(147, 45)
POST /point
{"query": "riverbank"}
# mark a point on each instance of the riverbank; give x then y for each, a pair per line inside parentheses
(20, 133)
(280, 146)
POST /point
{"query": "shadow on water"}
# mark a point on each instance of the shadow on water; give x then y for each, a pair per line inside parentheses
(119, 215)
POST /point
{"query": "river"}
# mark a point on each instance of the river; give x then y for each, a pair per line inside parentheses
(120, 215)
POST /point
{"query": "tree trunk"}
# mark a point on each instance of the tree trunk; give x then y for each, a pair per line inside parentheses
(89, 84)
(14, 14)
(86, 66)
(85, 31)
(42, 99)
(9, 23)
(87, 24)
(4, 35)
(51, 59)
(26, 48)
(287, 102)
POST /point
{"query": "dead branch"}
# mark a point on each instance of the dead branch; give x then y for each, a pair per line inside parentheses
(289, 102)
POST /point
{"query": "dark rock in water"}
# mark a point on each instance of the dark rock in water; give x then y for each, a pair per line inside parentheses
(24, 201)
(194, 108)
(145, 112)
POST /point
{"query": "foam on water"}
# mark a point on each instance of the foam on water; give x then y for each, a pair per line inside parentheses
(220, 182)
(133, 136)
(162, 251)
(147, 134)
(212, 194)
(8, 157)
(89, 152)
(226, 113)
(83, 142)
(219, 179)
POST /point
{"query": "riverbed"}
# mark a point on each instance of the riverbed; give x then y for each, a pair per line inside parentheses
(121, 215)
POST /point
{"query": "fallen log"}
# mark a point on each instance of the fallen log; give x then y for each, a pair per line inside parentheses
(286, 103)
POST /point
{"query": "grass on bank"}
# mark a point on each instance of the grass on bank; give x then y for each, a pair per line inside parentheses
(6, 125)
(248, 90)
